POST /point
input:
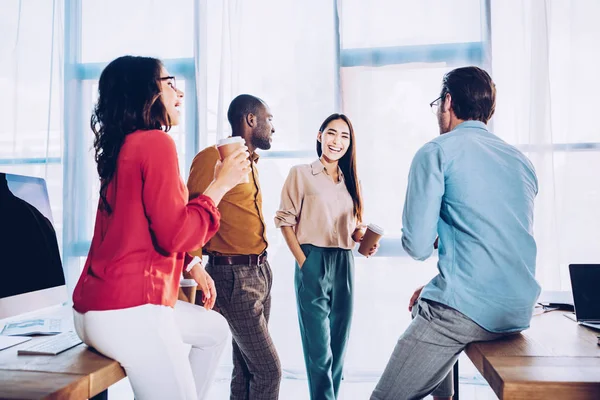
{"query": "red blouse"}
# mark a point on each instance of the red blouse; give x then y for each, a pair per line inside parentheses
(137, 252)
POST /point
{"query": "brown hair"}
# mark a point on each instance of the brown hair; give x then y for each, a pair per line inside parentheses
(473, 93)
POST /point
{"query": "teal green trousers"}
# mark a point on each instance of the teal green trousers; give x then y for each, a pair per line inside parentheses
(324, 296)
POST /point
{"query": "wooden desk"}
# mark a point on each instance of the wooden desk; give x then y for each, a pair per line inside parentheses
(554, 359)
(78, 373)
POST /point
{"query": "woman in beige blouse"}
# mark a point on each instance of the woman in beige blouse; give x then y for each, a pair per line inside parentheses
(320, 218)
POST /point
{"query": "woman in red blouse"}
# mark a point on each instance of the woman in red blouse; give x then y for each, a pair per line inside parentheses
(126, 299)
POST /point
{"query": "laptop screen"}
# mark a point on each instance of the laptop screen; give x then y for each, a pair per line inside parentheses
(585, 281)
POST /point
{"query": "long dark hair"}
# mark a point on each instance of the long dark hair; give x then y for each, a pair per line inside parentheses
(347, 164)
(128, 100)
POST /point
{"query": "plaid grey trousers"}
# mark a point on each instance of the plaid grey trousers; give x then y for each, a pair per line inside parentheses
(244, 299)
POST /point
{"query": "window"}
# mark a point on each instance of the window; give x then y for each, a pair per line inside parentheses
(393, 55)
(162, 29)
(30, 83)
(548, 97)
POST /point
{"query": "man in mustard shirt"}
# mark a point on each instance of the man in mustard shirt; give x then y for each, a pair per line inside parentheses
(238, 258)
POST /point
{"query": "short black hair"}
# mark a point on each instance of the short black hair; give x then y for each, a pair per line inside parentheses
(241, 106)
(473, 93)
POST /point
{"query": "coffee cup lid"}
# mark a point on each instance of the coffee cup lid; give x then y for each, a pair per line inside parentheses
(375, 228)
(187, 283)
(230, 140)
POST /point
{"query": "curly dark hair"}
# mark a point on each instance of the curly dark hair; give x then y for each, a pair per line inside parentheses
(128, 100)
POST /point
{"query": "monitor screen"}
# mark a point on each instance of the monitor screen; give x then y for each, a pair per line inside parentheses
(32, 273)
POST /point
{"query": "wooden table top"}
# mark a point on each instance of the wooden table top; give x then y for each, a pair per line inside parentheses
(555, 358)
(77, 373)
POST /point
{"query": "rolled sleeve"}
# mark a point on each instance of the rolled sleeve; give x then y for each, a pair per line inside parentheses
(291, 200)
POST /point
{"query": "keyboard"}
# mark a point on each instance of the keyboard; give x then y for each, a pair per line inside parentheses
(52, 346)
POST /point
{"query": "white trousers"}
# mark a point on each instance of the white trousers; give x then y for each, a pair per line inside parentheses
(151, 342)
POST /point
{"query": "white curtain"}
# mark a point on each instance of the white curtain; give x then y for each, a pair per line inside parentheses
(542, 56)
(544, 62)
(391, 58)
(283, 52)
(31, 49)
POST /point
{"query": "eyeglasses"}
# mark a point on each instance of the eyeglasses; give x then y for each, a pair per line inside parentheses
(435, 105)
(172, 78)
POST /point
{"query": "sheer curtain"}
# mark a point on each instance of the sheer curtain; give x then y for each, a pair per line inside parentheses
(156, 28)
(393, 56)
(285, 53)
(31, 50)
(544, 61)
(542, 56)
(381, 63)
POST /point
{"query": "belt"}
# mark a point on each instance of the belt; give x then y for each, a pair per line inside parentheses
(250, 259)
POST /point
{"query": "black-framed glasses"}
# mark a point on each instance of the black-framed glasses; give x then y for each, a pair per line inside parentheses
(172, 78)
(435, 105)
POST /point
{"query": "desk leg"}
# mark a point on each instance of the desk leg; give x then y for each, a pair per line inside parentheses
(101, 396)
(456, 382)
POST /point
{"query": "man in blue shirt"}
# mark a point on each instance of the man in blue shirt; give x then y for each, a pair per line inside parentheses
(476, 193)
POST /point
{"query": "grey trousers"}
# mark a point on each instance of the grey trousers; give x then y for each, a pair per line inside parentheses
(425, 353)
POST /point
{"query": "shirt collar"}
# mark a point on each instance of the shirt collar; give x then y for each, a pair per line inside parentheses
(471, 124)
(254, 157)
(317, 167)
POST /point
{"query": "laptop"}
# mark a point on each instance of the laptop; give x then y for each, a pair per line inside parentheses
(585, 282)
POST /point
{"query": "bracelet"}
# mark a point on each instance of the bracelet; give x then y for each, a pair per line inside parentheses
(192, 264)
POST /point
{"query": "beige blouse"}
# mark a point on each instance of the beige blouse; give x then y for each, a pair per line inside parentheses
(320, 209)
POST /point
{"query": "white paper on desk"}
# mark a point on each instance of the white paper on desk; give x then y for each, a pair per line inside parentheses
(37, 326)
(10, 341)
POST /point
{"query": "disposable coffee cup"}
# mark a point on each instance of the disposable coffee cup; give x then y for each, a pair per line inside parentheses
(371, 237)
(229, 145)
(187, 290)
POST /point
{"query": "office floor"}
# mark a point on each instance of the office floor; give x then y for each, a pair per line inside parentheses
(383, 287)
(473, 388)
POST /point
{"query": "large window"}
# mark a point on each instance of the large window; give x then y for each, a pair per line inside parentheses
(265, 48)
(162, 29)
(393, 56)
(30, 104)
(544, 69)
(381, 72)
(380, 62)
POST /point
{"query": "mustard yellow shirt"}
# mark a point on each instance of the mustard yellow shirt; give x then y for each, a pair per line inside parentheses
(243, 229)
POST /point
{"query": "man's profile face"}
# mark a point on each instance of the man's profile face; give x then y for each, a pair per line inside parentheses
(262, 134)
(443, 114)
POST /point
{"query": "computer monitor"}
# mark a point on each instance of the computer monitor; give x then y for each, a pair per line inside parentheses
(31, 272)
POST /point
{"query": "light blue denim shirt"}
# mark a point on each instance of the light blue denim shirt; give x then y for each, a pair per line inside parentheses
(475, 192)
